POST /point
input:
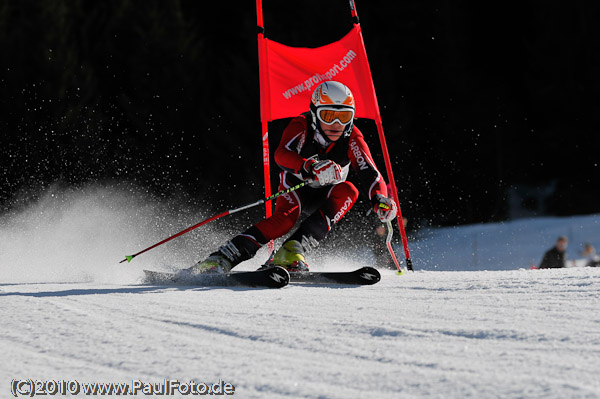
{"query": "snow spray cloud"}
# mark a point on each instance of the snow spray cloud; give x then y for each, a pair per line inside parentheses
(75, 235)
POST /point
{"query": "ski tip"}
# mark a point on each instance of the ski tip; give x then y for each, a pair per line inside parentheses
(369, 275)
(279, 277)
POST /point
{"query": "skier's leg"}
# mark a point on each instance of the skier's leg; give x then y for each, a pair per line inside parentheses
(245, 245)
(340, 199)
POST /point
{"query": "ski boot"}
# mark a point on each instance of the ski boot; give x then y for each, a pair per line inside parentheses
(290, 256)
(222, 261)
(215, 263)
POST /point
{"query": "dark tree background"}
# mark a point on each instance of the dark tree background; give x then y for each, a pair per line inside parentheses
(476, 97)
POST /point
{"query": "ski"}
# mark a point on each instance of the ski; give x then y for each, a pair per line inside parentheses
(363, 276)
(273, 277)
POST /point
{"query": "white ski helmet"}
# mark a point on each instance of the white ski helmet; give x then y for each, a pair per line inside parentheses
(332, 102)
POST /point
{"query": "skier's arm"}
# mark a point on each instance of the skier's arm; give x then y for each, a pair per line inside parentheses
(287, 154)
(362, 162)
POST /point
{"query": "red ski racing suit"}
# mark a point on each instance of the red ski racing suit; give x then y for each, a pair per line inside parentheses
(325, 205)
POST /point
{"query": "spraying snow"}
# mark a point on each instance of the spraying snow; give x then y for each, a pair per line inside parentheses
(71, 235)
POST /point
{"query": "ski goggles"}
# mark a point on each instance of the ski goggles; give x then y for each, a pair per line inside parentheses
(331, 115)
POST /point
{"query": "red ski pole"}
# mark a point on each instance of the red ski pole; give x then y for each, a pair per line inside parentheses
(128, 258)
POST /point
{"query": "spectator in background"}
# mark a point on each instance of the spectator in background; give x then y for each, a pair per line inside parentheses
(589, 253)
(556, 256)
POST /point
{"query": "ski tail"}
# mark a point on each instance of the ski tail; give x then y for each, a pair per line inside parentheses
(272, 277)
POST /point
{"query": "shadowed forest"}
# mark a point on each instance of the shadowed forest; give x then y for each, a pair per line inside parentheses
(476, 98)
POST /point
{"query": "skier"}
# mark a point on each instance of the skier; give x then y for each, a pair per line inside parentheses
(318, 146)
(556, 256)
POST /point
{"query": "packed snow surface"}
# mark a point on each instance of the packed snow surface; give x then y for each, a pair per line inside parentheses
(501, 334)
(71, 312)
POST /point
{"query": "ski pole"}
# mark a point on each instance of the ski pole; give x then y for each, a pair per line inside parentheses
(128, 258)
(388, 243)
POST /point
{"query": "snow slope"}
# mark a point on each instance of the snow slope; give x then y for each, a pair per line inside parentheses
(502, 246)
(71, 312)
(514, 334)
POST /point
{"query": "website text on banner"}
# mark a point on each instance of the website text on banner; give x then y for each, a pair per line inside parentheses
(317, 78)
(293, 72)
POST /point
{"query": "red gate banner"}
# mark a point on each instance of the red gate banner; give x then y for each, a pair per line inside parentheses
(294, 72)
(289, 75)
